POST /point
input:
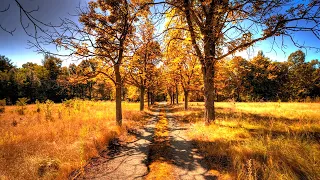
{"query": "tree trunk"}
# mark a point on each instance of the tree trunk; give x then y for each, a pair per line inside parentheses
(142, 89)
(154, 98)
(118, 95)
(177, 93)
(186, 99)
(148, 94)
(172, 96)
(90, 90)
(208, 74)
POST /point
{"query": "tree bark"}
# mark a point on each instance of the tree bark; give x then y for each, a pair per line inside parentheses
(142, 90)
(172, 97)
(208, 75)
(90, 90)
(177, 93)
(148, 94)
(152, 98)
(118, 95)
(208, 71)
(186, 99)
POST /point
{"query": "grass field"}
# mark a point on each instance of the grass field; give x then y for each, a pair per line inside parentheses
(258, 140)
(247, 140)
(49, 140)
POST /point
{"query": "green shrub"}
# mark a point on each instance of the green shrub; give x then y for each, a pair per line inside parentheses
(68, 104)
(22, 102)
(48, 110)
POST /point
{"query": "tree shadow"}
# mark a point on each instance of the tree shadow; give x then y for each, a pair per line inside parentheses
(265, 121)
(97, 167)
(185, 154)
(243, 163)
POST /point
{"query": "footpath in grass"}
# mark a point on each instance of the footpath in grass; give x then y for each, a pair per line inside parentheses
(172, 155)
(123, 161)
(162, 150)
(159, 159)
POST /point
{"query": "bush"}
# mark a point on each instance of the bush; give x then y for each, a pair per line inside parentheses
(48, 110)
(308, 99)
(2, 105)
(38, 106)
(22, 102)
(69, 104)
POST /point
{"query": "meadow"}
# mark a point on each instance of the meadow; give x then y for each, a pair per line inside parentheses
(258, 140)
(49, 141)
(247, 141)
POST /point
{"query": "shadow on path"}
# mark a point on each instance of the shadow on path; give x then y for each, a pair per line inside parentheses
(122, 161)
(130, 161)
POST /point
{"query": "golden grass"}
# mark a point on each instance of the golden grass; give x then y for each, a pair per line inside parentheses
(160, 167)
(160, 170)
(51, 140)
(258, 140)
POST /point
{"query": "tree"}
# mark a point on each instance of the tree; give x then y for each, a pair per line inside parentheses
(8, 85)
(107, 29)
(219, 28)
(5, 64)
(238, 70)
(143, 63)
(303, 76)
(262, 78)
(182, 65)
(53, 65)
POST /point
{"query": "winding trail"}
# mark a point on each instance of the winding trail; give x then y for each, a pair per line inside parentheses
(131, 160)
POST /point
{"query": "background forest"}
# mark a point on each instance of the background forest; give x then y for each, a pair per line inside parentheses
(238, 79)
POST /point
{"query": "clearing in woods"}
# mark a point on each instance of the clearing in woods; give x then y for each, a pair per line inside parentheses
(161, 151)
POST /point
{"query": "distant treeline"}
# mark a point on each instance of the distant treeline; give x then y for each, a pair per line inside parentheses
(261, 79)
(238, 79)
(49, 81)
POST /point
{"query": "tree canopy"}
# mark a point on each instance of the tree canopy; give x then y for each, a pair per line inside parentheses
(116, 42)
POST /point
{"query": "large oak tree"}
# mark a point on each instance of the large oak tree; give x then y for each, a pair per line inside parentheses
(220, 28)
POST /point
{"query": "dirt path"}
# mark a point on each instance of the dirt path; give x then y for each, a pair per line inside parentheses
(131, 161)
(188, 163)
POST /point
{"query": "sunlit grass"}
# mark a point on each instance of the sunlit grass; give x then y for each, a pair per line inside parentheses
(161, 166)
(258, 140)
(35, 146)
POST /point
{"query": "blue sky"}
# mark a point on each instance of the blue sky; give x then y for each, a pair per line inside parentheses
(16, 48)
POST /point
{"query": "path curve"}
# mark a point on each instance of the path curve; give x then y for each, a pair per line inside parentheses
(129, 163)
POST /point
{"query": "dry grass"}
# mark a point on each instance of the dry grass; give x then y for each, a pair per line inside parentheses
(159, 157)
(51, 140)
(258, 140)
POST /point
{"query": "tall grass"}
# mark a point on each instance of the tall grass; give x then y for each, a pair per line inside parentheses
(258, 140)
(51, 140)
